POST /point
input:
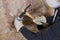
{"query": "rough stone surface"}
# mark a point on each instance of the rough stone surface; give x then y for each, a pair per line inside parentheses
(8, 10)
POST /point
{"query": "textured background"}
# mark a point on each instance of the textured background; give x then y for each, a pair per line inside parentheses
(8, 10)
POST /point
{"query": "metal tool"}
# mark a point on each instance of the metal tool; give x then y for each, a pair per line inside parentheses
(25, 10)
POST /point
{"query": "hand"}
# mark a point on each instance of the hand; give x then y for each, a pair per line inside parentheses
(18, 23)
(40, 20)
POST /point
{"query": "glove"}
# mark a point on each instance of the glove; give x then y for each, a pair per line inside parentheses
(18, 23)
(40, 20)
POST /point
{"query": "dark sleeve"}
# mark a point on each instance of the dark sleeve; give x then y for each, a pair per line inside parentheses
(52, 33)
(49, 19)
(58, 11)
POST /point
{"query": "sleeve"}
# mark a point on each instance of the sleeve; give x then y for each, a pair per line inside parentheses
(56, 28)
(52, 32)
(49, 19)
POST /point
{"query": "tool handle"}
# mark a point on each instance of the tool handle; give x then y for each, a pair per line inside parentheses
(27, 7)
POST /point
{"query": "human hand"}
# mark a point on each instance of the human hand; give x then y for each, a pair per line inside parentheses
(40, 20)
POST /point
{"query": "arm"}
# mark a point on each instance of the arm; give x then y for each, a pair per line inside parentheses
(52, 31)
